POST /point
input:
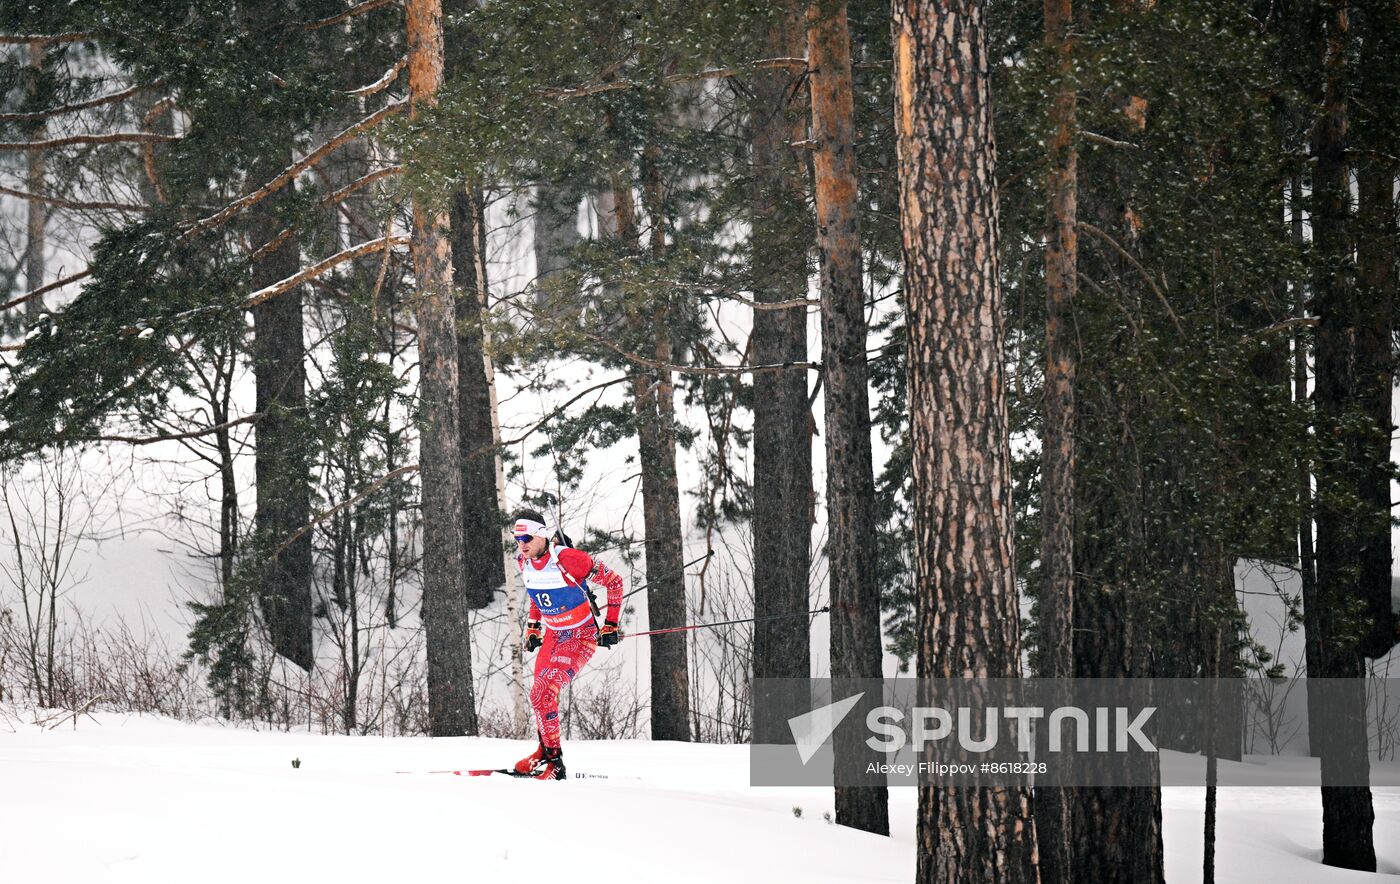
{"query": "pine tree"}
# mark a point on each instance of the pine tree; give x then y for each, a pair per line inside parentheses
(452, 707)
(856, 651)
(968, 623)
(779, 242)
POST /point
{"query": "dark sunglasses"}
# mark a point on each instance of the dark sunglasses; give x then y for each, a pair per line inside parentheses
(524, 538)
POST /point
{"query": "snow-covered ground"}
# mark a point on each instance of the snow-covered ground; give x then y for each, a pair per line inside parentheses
(150, 800)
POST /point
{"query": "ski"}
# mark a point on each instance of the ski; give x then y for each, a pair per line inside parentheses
(503, 771)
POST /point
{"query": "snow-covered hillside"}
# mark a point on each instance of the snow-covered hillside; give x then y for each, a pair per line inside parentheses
(142, 799)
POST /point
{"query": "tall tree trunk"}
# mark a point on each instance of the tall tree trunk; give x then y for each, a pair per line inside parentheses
(451, 705)
(1347, 813)
(780, 239)
(968, 622)
(1117, 831)
(856, 650)
(38, 211)
(654, 398)
(1053, 817)
(280, 464)
(1376, 133)
(1307, 567)
(481, 517)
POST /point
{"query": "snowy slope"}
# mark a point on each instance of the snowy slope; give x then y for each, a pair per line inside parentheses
(144, 799)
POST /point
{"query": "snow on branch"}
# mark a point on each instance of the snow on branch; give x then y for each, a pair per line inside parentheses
(315, 270)
(1104, 139)
(295, 169)
(44, 39)
(814, 303)
(331, 199)
(383, 82)
(358, 9)
(108, 138)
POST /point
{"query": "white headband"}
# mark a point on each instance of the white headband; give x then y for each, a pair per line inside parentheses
(533, 528)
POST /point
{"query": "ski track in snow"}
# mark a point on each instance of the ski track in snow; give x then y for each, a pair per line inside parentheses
(145, 799)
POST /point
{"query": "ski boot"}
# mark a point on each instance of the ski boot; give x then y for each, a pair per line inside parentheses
(552, 766)
(529, 763)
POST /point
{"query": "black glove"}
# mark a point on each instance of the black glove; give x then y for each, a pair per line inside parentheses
(608, 635)
(533, 637)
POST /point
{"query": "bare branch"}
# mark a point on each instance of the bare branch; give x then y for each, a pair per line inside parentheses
(108, 138)
(321, 517)
(45, 288)
(297, 168)
(1137, 265)
(171, 437)
(71, 204)
(355, 251)
(382, 83)
(541, 422)
(111, 98)
(702, 370)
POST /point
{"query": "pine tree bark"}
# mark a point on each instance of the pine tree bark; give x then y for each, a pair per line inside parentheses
(1054, 821)
(856, 650)
(1377, 129)
(282, 473)
(451, 705)
(1347, 813)
(654, 398)
(968, 625)
(1117, 831)
(483, 569)
(780, 239)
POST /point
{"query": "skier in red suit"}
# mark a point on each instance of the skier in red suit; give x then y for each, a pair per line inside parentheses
(562, 625)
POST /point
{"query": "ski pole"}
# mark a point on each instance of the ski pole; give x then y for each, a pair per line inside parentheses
(821, 610)
(682, 568)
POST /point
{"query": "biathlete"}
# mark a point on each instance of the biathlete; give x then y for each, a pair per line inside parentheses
(562, 625)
